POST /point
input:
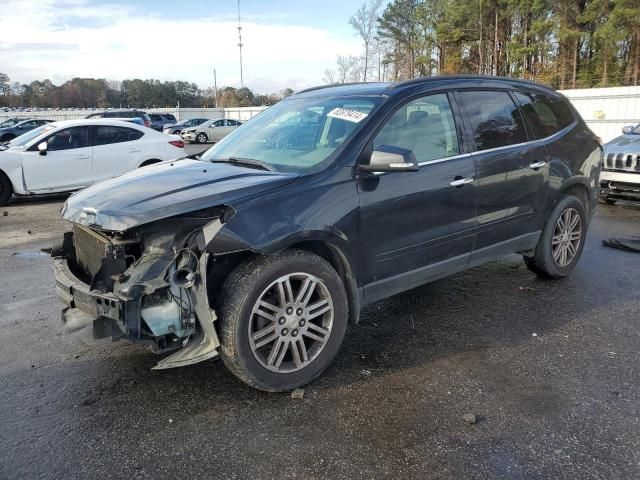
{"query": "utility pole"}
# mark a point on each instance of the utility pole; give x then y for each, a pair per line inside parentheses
(215, 87)
(240, 45)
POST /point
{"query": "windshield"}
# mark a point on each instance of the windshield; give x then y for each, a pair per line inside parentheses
(25, 138)
(296, 135)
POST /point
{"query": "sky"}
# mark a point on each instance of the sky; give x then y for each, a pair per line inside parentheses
(287, 43)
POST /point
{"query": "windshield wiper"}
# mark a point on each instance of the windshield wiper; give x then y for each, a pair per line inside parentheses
(248, 162)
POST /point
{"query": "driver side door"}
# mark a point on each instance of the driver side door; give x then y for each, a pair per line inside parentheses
(67, 164)
(418, 226)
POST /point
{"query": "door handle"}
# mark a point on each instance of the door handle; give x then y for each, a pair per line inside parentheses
(537, 165)
(82, 157)
(461, 182)
(134, 150)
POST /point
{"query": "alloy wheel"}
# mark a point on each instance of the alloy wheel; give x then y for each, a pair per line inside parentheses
(291, 322)
(567, 236)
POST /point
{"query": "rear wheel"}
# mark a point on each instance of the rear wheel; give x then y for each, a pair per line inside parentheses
(201, 138)
(562, 240)
(6, 190)
(283, 318)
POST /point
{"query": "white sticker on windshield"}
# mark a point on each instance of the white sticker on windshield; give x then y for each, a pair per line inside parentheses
(348, 115)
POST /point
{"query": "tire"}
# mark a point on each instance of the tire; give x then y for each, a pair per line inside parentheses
(251, 357)
(6, 189)
(548, 260)
(202, 138)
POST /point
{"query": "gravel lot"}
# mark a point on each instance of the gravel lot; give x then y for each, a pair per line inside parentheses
(551, 369)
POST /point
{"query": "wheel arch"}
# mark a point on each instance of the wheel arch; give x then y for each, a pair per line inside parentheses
(149, 161)
(578, 188)
(323, 244)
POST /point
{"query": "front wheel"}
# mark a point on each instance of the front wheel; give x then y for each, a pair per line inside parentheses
(562, 240)
(283, 319)
(201, 138)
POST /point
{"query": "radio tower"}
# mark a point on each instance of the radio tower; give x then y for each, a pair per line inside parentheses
(240, 45)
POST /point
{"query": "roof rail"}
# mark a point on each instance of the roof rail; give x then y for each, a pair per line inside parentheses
(330, 85)
(420, 80)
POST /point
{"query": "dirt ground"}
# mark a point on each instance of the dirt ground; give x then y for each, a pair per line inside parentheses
(551, 369)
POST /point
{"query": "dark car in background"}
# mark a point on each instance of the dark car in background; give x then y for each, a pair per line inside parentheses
(177, 128)
(120, 114)
(160, 120)
(23, 126)
(9, 122)
(265, 249)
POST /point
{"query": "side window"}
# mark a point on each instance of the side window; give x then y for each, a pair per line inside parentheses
(235, 123)
(545, 114)
(219, 123)
(76, 137)
(106, 135)
(424, 126)
(495, 119)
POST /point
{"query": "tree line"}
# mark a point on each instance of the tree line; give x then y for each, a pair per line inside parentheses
(564, 43)
(100, 93)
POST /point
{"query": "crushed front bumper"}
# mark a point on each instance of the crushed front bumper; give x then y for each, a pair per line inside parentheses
(93, 315)
(620, 185)
(90, 314)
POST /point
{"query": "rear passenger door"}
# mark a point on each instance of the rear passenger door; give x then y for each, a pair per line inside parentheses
(512, 173)
(115, 150)
(418, 225)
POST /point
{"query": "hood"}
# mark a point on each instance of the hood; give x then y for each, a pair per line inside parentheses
(624, 144)
(165, 190)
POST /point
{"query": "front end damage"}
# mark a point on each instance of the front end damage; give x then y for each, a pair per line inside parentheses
(147, 284)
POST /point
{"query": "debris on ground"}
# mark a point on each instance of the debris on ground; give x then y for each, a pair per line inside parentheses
(365, 372)
(528, 289)
(626, 244)
(171, 420)
(470, 418)
(29, 232)
(534, 334)
(5, 214)
(297, 394)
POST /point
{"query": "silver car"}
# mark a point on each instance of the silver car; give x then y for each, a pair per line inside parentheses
(620, 177)
(210, 131)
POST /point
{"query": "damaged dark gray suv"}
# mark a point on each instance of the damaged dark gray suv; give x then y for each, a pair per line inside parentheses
(266, 247)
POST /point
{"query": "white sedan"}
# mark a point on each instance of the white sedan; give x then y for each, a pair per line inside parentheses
(210, 131)
(72, 154)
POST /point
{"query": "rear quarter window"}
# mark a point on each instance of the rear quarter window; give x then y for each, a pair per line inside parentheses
(545, 114)
(495, 118)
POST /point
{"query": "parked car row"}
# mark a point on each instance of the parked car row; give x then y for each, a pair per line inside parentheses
(72, 154)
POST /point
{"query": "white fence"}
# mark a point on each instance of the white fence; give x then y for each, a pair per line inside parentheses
(606, 110)
(239, 113)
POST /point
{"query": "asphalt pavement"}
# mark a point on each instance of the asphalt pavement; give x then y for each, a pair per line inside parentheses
(550, 369)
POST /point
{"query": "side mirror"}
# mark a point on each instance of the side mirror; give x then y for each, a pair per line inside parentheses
(387, 158)
(627, 129)
(42, 148)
